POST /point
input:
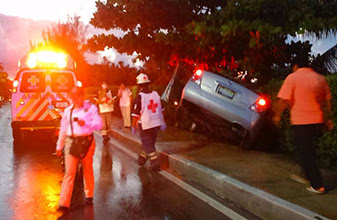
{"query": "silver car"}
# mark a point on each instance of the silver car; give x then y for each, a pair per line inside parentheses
(219, 105)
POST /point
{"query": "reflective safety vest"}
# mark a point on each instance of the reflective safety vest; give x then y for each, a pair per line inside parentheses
(151, 113)
(108, 105)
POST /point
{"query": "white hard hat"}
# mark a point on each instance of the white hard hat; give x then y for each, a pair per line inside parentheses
(142, 78)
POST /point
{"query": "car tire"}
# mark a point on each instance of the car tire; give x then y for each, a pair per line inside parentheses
(183, 119)
(247, 142)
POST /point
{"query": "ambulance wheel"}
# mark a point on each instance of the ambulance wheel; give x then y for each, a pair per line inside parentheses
(18, 135)
(54, 138)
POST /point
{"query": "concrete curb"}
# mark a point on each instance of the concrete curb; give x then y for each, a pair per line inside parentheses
(260, 203)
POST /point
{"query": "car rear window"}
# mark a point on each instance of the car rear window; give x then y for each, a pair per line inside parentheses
(33, 82)
(62, 82)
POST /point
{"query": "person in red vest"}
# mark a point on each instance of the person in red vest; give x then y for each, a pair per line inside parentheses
(147, 116)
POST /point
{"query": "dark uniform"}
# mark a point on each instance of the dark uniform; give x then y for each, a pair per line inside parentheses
(148, 111)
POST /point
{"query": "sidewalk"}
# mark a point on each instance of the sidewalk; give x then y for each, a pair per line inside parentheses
(257, 181)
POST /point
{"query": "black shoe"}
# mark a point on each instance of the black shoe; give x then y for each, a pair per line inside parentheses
(62, 209)
(106, 139)
(89, 201)
(155, 165)
(141, 160)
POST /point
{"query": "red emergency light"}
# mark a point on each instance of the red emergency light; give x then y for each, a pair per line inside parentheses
(260, 105)
(198, 74)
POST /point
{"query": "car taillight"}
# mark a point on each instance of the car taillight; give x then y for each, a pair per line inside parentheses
(260, 105)
(197, 76)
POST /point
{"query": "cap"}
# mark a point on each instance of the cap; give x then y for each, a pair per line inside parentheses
(142, 78)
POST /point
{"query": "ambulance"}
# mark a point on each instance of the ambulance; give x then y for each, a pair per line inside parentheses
(41, 91)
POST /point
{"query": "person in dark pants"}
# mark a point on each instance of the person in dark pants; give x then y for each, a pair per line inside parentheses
(308, 95)
(105, 105)
(147, 116)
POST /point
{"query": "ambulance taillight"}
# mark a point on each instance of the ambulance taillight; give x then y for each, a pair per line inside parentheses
(79, 84)
(15, 86)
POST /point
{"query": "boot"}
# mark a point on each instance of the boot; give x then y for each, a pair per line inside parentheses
(142, 158)
(106, 139)
(154, 161)
(155, 165)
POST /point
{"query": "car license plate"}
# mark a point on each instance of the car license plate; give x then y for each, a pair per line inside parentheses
(224, 91)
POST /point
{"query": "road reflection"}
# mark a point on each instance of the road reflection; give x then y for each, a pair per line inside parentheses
(36, 180)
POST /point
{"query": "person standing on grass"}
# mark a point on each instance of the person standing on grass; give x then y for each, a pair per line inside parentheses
(125, 100)
(308, 96)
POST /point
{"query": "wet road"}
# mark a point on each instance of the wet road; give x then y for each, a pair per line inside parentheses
(30, 180)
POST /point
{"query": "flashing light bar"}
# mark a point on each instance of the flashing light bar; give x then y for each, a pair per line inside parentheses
(46, 58)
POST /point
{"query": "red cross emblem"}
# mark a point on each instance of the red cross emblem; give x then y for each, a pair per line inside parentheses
(63, 82)
(33, 80)
(152, 106)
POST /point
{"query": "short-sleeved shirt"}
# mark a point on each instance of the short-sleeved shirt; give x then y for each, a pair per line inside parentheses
(124, 97)
(307, 91)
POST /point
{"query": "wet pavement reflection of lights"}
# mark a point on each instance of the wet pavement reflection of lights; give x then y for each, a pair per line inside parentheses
(36, 187)
(30, 182)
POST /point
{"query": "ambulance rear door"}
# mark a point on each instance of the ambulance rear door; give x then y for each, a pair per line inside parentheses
(41, 97)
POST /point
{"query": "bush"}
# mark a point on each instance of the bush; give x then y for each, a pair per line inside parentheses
(327, 144)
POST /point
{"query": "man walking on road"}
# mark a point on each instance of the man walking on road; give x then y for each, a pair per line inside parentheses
(307, 93)
(148, 117)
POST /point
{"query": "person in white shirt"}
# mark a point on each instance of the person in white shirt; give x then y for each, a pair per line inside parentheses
(85, 119)
(125, 100)
(105, 104)
(148, 117)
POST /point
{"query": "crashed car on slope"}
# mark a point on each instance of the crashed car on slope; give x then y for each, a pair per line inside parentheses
(216, 104)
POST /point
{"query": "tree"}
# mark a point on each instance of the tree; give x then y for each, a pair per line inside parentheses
(71, 37)
(4, 83)
(222, 35)
(155, 29)
(112, 74)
